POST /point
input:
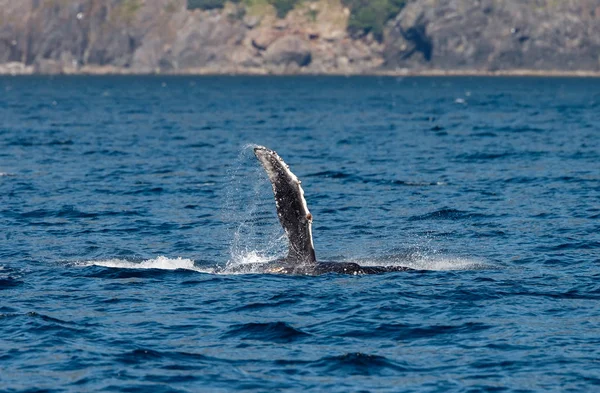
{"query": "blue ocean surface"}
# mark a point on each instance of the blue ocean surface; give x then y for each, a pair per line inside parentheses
(125, 202)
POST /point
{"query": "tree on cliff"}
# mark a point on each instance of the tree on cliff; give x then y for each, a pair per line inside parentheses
(370, 16)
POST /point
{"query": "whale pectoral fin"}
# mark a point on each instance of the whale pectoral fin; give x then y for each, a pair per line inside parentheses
(292, 210)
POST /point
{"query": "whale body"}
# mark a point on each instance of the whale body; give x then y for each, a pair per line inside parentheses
(296, 220)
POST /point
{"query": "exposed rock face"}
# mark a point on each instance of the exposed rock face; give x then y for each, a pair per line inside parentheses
(68, 33)
(204, 40)
(496, 35)
(146, 36)
(289, 50)
(262, 38)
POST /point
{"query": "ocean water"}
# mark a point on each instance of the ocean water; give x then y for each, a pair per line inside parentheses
(126, 201)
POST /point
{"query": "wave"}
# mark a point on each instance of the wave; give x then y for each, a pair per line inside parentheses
(278, 332)
(359, 364)
(9, 278)
(144, 355)
(433, 262)
(249, 263)
(159, 263)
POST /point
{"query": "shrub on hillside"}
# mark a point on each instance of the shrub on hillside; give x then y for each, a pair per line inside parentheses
(283, 6)
(205, 4)
(370, 16)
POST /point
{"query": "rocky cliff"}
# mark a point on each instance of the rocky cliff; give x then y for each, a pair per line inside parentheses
(496, 35)
(148, 36)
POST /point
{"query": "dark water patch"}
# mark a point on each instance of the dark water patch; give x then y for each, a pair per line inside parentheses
(262, 305)
(72, 212)
(146, 191)
(31, 142)
(447, 214)
(372, 179)
(69, 124)
(485, 135)
(9, 315)
(40, 213)
(140, 355)
(403, 332)
(106, 152)
(520, 129)
(570, 294)
(67, 142)
(134, 111)
(277, 332)
(576, 179)
(9, 283)
(408, 183)
(332, 175)
(494, 234)
(296, 128)
(485, 131)
(199, 145)
(46, 318)
(584, 155)
(133, 388)
(358, 364)
(475, 157)
(521, 180)
(123, 213)
(44, 325)
(584, 245)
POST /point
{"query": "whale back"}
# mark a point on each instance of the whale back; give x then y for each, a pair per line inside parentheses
(292, 210)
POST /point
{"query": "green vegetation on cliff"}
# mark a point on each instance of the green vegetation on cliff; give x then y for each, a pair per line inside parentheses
(370, 16)
(205, 4)
(366, 16)
(281, 6)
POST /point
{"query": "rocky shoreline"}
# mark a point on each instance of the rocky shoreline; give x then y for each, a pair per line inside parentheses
(12, 69)
(427, 38)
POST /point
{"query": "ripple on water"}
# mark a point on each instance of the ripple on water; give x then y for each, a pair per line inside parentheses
(448, 214)
(407, 333)
(10, 278)
(359, 364)
(276, 332)
(142, 355)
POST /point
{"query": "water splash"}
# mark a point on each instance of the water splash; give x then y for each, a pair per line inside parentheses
(160, 263)
(249, 212)
(423, 260)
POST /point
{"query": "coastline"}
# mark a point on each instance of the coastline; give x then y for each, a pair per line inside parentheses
(435, 38)
(19, 69)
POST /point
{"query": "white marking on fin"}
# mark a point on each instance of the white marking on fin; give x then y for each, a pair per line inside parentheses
(274, 169)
